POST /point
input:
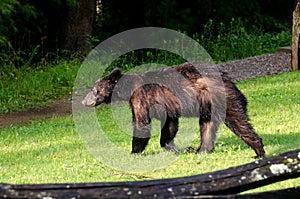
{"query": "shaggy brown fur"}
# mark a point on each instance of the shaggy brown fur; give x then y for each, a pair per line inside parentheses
(172, 92)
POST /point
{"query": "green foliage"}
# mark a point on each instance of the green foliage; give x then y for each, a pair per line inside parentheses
(50, 151)
(136, 58)
(30, 29)
(12, 14)
(268, 15)
(26, 87)
(236, 40)
(27, 29)
(223, 42)
(190, 16)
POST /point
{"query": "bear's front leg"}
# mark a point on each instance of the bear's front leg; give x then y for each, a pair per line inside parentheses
(141, 136)
(208, 130)
(141, 123)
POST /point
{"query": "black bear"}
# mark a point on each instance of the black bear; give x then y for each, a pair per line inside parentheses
(172, 92)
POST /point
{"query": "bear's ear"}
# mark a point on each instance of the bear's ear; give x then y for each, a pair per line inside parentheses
(115, 75)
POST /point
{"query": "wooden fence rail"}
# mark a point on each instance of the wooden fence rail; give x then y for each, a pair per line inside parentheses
(219, 184)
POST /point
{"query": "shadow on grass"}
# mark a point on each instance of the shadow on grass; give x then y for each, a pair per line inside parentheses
(280, 142)
(274, 144)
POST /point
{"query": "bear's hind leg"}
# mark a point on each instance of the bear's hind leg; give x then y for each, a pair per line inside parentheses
(208, 130)
(168, 133)
(242, 128)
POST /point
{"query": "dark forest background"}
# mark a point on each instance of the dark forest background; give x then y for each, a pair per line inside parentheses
(37, 28)
(43, 42)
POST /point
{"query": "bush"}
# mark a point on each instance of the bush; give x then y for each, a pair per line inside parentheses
(235, 40)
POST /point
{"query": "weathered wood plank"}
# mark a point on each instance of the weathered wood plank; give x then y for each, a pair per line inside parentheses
(278, 194)
(230, 181)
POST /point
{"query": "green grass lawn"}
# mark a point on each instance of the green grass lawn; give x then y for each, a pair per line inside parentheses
(51, 151)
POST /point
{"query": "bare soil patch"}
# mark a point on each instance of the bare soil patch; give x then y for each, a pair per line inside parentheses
(59, 107)
(257, 66)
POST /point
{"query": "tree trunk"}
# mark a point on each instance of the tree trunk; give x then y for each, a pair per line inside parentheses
(79, 26)
(295, 36)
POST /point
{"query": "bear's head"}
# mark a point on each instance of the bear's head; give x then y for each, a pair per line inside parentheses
(102, 89)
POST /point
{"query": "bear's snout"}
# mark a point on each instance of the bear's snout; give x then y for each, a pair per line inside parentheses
(89, 100)
(88, 103)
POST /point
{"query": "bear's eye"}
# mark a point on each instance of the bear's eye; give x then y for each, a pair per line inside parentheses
(95, 91)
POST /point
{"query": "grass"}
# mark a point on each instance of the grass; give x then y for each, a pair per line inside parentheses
(27, 87)
(51, 151)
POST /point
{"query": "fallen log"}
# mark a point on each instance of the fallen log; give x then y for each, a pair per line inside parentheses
(230, 181)
(278, 194)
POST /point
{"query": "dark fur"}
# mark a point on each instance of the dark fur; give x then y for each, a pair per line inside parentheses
(177, 91)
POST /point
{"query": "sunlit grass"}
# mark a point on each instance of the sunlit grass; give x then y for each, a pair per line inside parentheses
(51, 151)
